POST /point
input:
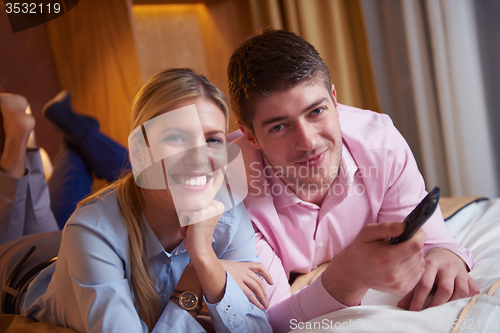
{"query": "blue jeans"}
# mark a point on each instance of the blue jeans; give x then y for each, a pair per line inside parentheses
(74, 167)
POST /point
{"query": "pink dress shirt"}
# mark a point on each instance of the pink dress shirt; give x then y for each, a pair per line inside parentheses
(378, 181)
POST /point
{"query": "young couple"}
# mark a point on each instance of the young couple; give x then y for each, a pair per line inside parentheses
(142, 253)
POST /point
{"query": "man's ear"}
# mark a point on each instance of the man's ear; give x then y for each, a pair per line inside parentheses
(334, 95)
(249, 136)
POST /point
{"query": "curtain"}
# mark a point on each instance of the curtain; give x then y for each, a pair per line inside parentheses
(336, 29)
(487, 13)
(429, 78)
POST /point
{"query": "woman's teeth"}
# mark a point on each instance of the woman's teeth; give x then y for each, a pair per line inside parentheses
(193, 181)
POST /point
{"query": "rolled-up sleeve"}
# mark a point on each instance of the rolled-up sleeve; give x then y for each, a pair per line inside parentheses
(12, 206)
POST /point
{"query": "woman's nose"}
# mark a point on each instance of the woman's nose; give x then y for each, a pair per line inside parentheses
(197, 156)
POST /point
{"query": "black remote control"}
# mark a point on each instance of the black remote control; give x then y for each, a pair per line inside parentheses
(418, 216)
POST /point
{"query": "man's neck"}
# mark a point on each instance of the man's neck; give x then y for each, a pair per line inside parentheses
(313, 196)
(163, 219)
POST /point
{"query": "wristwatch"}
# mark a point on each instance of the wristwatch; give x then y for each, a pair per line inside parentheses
(187, 300)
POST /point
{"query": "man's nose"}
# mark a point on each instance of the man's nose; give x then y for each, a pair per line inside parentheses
(306, 136)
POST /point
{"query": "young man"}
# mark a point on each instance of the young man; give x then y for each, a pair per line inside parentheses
(326, 184)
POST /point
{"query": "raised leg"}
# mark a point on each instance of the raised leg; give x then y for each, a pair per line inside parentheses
(105, 157)
(71, 181)
(24, 198)
(17, 125)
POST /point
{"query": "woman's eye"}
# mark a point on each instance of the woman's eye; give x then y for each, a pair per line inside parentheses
(277, 128)
(214, 141)
(174, 138)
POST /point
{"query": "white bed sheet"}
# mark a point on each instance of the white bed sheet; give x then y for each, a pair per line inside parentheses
(477, 227)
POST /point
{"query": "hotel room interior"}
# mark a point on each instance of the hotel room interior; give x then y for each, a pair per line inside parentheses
(432, 65)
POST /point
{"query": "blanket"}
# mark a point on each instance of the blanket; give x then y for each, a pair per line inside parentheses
(477, 227)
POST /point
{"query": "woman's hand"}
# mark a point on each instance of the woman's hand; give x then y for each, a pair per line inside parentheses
(198, 243)
(245, 275)
(198, 235)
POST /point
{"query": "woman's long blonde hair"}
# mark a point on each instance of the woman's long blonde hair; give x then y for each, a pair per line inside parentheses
(161, 93)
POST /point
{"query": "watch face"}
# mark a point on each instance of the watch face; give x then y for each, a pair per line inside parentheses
(188, 300)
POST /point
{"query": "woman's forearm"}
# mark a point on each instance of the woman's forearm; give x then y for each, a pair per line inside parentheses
(211, 275)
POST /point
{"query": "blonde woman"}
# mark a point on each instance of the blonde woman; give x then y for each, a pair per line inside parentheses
(140, 255)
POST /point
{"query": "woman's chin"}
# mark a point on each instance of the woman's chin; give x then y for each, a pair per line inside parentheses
(191, 207)
(192, 201)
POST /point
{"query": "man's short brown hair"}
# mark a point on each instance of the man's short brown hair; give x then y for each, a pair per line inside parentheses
(274, 61)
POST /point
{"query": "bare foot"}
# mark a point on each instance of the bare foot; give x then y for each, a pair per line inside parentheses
(17, 125)
(16, 121)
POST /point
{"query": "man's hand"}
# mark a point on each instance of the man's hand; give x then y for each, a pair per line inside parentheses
(245, 275)
(371, 261)
(446, 273)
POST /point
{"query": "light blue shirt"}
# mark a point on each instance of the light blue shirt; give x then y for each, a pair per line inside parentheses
(89, 288)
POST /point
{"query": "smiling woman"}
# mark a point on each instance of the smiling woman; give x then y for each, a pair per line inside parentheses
(132, 257)
(190, 144)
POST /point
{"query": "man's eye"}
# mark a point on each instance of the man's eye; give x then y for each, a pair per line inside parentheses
(277, 128)
(317, 111)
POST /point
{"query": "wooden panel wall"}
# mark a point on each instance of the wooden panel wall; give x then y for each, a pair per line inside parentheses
(94, 51)
(27, 68)
(198, 36)
(169, 36)
(103, 50)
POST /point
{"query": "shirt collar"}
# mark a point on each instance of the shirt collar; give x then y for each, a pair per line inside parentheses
(348, 166)
(283, 195)
(154, 246)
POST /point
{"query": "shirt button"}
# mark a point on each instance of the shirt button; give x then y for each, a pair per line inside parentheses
(231, 318)
(320, 245)
(226, 309)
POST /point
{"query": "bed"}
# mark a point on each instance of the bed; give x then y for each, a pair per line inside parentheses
(475, 225)
(473, 221)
